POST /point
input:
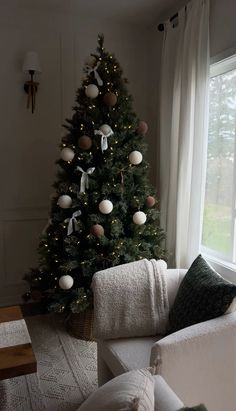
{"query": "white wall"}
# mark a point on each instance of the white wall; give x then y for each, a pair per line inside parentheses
(29, 143)
(222, 26)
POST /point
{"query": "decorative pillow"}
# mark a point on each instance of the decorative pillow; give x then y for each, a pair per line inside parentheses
(203, 294)
(200, 407)
(132, 391)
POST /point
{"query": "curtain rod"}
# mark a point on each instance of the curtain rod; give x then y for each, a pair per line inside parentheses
(161, 26)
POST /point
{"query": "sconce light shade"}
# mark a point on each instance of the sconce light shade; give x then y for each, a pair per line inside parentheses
(31, 62)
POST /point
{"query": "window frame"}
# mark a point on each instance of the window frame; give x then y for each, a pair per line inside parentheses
(220, 64)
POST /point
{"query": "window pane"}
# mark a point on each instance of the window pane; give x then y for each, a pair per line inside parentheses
(219, 196)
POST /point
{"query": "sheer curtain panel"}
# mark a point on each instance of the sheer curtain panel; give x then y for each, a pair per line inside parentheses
(183, 129)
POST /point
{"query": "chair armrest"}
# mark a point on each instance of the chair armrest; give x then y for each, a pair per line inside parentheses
(165, 398)
(199, 362)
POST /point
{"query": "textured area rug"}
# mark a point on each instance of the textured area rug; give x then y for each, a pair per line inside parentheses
(67, 370)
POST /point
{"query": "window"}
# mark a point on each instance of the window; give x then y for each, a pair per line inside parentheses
(219, 221)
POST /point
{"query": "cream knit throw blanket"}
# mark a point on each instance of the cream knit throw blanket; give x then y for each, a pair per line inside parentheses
(131, 300)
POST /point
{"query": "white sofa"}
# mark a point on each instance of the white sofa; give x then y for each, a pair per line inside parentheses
(198, 362)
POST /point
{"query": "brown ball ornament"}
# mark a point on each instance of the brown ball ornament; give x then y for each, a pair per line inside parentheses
(85, 142)
(97, 230)
(36, 295)
(142, 128)
(110, 99)
(150, 201)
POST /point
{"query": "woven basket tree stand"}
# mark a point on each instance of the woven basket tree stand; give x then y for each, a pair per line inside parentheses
(80, 325)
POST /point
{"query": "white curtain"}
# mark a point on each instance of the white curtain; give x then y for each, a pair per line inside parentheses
(183, 130)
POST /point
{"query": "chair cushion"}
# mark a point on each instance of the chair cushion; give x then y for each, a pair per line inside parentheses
(130, 391)
(127, 354)
(203, 295)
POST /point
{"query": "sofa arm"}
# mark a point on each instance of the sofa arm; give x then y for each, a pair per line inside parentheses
(199, 362)
(165, 398)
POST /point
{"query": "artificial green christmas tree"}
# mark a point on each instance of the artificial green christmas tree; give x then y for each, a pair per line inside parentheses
(104, 211)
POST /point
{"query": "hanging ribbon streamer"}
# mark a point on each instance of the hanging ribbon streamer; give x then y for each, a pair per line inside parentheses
(96, 75)
(47, 226)
(72, 222)
(104, 141)
(84, 182)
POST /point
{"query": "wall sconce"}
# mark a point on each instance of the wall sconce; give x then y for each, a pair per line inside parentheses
(31, 65)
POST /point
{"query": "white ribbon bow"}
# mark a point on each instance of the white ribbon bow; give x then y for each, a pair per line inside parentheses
(46, 226)
(84, 182)
(73, 224)
(96, 75)
(104, 142)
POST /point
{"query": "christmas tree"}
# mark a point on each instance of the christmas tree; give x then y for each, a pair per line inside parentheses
(104, 210)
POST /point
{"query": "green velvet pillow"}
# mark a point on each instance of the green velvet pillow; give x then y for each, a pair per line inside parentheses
(203, 294)
(200, 407)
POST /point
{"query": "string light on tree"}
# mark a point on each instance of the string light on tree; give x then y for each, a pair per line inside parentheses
(64, 201)
(135, 157)
(67, 154)
(66, 282)
(92, 91)
(139, 218)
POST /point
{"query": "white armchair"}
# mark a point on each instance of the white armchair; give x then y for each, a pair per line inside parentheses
(198, 362)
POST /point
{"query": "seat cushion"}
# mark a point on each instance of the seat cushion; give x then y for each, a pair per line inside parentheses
(127, 354)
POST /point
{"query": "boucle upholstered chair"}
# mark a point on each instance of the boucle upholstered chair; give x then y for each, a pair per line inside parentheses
(198, 362)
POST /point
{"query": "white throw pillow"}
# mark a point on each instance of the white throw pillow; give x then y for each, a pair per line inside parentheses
(133, 390)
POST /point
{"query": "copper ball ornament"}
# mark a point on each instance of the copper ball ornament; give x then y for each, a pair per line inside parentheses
(110, 99)
(150, 201)
(97, 230)
(85, 142)
(142, 128)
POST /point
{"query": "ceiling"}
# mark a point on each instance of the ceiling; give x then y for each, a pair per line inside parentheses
(145, 12)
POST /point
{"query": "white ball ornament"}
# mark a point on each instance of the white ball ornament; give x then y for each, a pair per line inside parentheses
(66, 282)
(139, 218)
(92, 91)
(105, 206)
(135, 157)
(67, 154)
(64, 201)
(105, 129)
